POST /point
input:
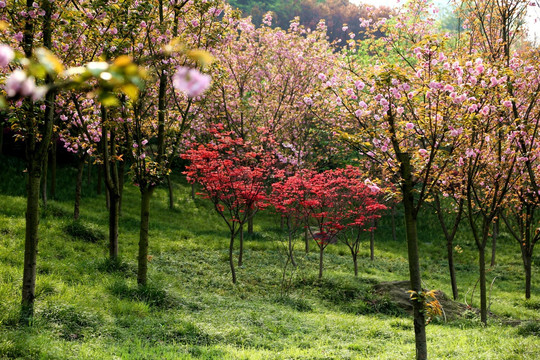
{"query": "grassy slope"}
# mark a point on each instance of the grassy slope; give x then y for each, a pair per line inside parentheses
(89, 309)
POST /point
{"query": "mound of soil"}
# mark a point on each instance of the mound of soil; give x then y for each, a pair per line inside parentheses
(397, 292)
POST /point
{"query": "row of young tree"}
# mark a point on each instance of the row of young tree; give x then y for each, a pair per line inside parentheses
(450, 120)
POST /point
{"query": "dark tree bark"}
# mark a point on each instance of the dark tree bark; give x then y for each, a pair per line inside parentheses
(53, 168)
(171, 192)
(321, 254)
(250, 223)
(35, 152)
(1, 136)
(372, 241)
(111, 182)
(394, 237)
(43, 182)
(413, 253)
(231, 260)
(78, 187)
(241, 252)
(121, 178)
(450, 234)
(306, 240)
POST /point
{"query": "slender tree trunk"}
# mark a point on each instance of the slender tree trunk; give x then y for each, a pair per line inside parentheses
(193, 191)
(78, 187)
(146, 195)
(483, 292)
(171, 192)
(450, 253)
(321, 254)
(43, 185)
(35, 156)
(1, 138)
(250, 222)
(30, 245)
(527, 265)
(53, 168)
(494, 237)
(231, 261)
(306, 239)
(281, 223)
(121, 178)
(372, 241)
(355, 261)
(413, 254)
(394, 237)
(241, 253)
(107, 198)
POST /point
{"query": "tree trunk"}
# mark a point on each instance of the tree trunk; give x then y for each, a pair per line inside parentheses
(171, 193)
(527, 265)
(494, 241)
(30, 245)
(1, 138)
(193, 191)
(372, 241)
(146, 195)
(450, 253)
(241, 253)
(321, 253)
(231, 261)
(355, 262)
(121, 176)
(250, 222)
(107, 198)
(413, 254)
(43, 185)
(394, 237)
(78, 187)
(53, 168)
(306, 239)
(483, 293)
(114, 207)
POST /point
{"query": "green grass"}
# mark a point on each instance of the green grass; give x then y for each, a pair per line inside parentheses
(90, 308)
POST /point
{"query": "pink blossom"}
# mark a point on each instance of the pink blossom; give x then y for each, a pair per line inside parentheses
(18, 83)
(507, 103)
(144, 142)
(190, 81)
(423, 152)
(6, 55)
(409, 126)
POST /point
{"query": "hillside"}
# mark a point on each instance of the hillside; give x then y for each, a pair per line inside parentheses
(89, 308)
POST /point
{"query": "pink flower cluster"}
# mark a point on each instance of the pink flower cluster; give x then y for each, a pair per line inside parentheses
(191, 81)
